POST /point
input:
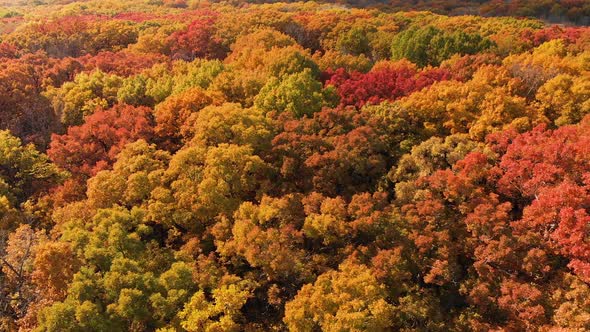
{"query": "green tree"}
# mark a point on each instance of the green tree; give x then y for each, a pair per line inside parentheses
(355, 42)
(89, 91)
(24, 171)
(299, 94)
(430, 46)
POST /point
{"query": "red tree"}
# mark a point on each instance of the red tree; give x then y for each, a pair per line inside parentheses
(386, 83)
(570, 35)
(84, 150)
(198, 40)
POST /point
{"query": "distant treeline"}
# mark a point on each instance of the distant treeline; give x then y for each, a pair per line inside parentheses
(554, 11)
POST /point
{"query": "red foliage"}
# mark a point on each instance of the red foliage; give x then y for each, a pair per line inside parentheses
(336, 152)
(569, 34)
(382, 84)
(7, 50)
(87, 149)
(547, 175)
(63, 70)
(120, 63)
(198, 40)
(68, 24)
(573, 237)
(523, 302)
(464, 67)
(23, 110)
(541, 158)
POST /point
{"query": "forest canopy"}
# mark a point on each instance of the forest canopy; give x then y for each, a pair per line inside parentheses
(181, 165)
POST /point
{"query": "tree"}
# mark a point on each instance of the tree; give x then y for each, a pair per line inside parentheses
(122, 63)
(111, 35)
(571, 302)
(202, 183)
(197, 40)
(564, 99)
(73, 101)
(60, 37)
(383, 82)
(239, 86)
(299, 94)
(118, 297)
(54, 268)
(272, 230)
(134, 91)
(7, 50)
(332, 60)
(430, 156)
(18, 291)
(264, 38)
(84, 150)
(23, 109)
(135, 174)
(223, 314)
(232, 124)
(24, 171)
(355, 42)
(485, 104)
(350, 298)
(337, 152)
(172, 115)
(430, 46)
(251, 66)
(199, 73)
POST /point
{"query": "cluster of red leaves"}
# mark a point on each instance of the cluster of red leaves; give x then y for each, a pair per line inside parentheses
(68, 24)
(120, 63)
(382, 84)
(518, 218)
(87, 149)
(7, 50)
(198, 40)
(569, 34)
(335, 152)
(547, 174)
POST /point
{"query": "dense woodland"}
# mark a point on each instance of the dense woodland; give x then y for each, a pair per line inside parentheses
(192, 166)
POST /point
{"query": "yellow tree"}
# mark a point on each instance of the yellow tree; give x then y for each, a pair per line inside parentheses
(350, 298)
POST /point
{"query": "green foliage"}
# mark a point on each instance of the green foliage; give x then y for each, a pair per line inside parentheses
(431, 46)
(24, 171)
(199, 73)
(355, 42)
(7, 13)
(134, 91)
(81, 97)
(299, 94)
